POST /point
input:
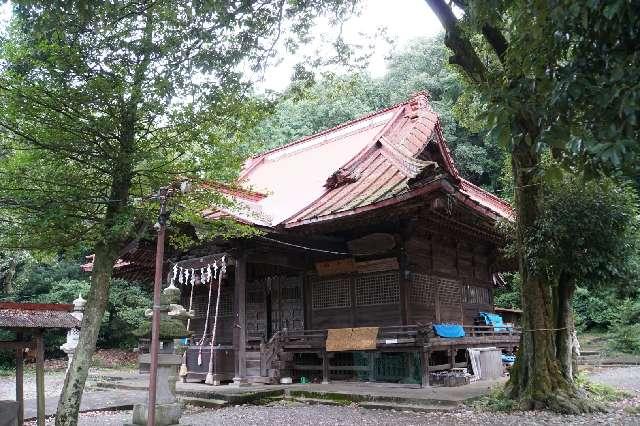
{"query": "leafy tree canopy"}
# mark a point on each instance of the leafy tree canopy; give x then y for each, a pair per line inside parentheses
(588, 233)
(104, 102)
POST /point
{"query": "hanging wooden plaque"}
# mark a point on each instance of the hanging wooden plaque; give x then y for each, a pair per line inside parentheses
(335, 267)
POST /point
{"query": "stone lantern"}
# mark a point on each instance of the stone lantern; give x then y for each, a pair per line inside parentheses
(172, 316)
(73, 334)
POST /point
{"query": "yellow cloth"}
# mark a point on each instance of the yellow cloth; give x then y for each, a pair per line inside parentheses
(351, 339)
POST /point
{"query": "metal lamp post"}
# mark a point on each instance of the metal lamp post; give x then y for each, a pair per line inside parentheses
(161, 226)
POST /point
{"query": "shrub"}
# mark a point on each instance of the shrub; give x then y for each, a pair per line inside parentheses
(124, 313)
(496, 401)
(625, 329)
(594, 309)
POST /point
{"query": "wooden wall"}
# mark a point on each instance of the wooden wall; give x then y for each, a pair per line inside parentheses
(200, 299)
(448, 279)
(353, 300)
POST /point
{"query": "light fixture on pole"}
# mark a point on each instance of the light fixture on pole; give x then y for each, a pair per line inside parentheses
(160, 227)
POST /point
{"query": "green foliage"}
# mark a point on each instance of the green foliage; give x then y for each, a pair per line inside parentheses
(496, 401)
(316, 105)
(594, 309)
(599, 392)
(124, 314)
(588, 232)
(62, 281)
(509, 296)
(570, 71)
(39, 278)
(105, 102)
(625, 330)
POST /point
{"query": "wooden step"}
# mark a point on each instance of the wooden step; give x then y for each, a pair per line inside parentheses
(253, 371)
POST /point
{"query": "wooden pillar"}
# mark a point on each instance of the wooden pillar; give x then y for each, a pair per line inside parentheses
(40, 377)
(437, 299)
(20, 380)
(240, 326)
(424, 365)
(325, 368)
(452, 357)
(404, 285)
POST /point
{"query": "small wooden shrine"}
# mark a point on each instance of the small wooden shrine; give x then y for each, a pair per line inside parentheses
(29, 321)
(365, 225)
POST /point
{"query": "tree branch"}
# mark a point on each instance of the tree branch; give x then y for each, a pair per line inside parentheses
(464, 55)
(496, 40)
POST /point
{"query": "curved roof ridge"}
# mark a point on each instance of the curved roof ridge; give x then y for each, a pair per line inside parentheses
(332, 129)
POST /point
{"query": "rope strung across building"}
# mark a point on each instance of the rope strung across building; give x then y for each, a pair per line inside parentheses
(205, 275)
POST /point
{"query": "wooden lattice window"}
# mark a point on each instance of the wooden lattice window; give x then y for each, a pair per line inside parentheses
(448, 291)
(200, 301)
(226, 303)
(377, 289)
(255, 296)
(476, 295)
(422, 289)
(330, 293)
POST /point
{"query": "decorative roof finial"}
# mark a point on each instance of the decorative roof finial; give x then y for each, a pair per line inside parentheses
(420, 101)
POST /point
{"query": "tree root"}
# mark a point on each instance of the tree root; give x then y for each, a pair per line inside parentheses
(564, 404)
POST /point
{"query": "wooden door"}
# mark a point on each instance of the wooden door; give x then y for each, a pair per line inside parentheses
(286, 303)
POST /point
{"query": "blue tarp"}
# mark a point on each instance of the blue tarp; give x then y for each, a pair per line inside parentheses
(448, 330)
(495, 320)
(508, 359)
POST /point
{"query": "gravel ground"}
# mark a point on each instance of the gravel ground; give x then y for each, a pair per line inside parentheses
(627, 378)
(320, 415)
(287, 413)
(53, 382)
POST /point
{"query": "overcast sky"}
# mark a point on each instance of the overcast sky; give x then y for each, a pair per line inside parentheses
(404, 20)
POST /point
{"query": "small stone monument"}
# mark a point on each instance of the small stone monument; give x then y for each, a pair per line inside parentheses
(168, 408)
(73, 334)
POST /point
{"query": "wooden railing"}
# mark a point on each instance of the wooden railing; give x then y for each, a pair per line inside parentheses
(407, 335)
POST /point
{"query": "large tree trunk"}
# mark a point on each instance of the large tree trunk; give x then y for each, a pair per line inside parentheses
(69, 403)
(106, 253)
(542, 375)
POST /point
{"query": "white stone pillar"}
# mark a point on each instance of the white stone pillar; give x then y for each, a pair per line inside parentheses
(73, 334)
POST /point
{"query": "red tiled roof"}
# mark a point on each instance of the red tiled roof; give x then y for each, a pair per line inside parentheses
(361, 164)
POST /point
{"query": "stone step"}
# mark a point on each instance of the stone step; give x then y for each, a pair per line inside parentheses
(379, 405)
(406, 407)
(205, 402)
(260, 380)
(384, 400)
